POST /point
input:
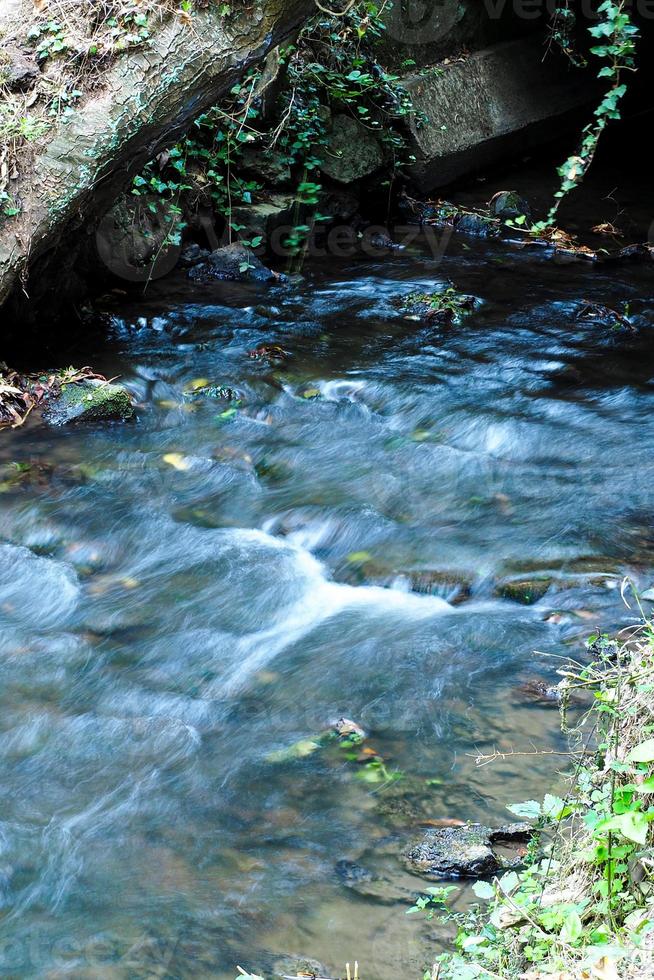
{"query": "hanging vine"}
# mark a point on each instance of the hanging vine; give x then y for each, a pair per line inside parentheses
(617, 36)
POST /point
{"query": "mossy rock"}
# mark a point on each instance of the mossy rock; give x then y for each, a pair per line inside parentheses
(298, 966)
(443, 306)
(89, 401)
(453, 852)
(467, 851)
(478, 225)
(531, 590)
(353, 151)
(527, 591)
(509, 205)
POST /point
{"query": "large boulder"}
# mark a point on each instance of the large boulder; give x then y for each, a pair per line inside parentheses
(138, 239)
(232, 263)
(265, 217)
(502, 100)
(352, 151)
(462, 852)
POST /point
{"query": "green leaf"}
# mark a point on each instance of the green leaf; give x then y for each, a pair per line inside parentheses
(531, 809)
(359, 556)
(572, 927)
(509, 882)
(647, 786)
(632, 825)
(553, 806)
(483, 889)
(643, 752)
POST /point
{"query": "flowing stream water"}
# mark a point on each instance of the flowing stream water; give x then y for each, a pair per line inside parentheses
(184, 596)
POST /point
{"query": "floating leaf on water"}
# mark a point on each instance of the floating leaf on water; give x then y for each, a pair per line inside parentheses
(227, 415)
(300, 750)
(197, 384)
(178, 461)
(359, 556)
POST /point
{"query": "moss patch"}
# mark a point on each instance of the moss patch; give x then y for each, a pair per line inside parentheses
(90, 401)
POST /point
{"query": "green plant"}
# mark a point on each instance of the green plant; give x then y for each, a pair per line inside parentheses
(584, 898)
(443, 306)
(331, 67)
(49, 38)
(617, 35)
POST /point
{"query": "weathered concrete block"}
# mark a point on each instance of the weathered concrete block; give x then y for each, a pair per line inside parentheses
(501, 100)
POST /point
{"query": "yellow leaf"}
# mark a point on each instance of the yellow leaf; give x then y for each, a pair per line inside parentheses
(605, 969)
(180, 462)
(197, 384)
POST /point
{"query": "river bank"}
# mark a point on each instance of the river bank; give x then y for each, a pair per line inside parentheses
(582, 906)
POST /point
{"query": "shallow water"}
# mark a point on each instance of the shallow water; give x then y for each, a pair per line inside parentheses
(170, 623)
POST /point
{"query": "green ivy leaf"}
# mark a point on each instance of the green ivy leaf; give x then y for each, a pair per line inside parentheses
(572, 928)
(531, 809)
(643, 752)
(483, 889)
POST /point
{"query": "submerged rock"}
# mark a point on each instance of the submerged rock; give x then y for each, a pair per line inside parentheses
(298, 966)
(234, 263)
(605, 316)
(478, 225)
(538, 691)
(508, 205)
(89, 401)
(443, 306)
(382, 888)
(462, 852)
